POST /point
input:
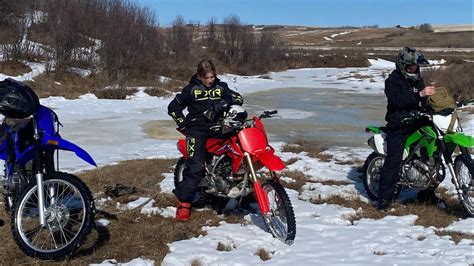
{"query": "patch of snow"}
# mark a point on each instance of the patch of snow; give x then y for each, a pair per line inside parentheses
(134, 262)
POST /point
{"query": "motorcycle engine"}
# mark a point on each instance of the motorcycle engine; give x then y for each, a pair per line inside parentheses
(220, 174)
(417, 174)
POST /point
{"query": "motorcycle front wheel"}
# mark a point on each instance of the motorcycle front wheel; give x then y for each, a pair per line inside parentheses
(464, 170)
(280, 220)
(69, 213)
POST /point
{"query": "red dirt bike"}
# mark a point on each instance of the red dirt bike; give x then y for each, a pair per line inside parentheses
(243, 164)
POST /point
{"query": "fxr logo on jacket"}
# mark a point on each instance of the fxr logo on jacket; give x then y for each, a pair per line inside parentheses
(207, 94)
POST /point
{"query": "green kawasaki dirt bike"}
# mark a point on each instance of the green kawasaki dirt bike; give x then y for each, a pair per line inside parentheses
(428, 152)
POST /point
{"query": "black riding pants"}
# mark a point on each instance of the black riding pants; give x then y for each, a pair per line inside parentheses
(390, 172)
(194, 171)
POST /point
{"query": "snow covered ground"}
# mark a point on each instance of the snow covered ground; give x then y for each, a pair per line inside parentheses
(111, 130)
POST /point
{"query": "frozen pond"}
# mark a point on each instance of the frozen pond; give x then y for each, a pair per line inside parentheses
(329, 116)
(333, 117)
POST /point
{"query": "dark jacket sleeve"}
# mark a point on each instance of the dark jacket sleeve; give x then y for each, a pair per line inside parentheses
(401, 98)
(178, 104)
(231, 97)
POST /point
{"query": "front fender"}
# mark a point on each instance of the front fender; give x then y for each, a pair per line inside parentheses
(460, 139)
(62, 144)
(270, 160)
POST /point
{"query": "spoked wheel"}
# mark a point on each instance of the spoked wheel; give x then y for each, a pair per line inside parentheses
(69, 213)
(371, 174)
(280, 221)
(464, 169)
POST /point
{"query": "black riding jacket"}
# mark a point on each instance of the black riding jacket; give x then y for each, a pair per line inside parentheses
(198, 98)
(402, 98)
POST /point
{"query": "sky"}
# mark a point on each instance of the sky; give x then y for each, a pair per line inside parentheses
(315, 12)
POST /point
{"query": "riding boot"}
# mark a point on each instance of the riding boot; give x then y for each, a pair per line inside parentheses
(383, 204)
(427, 196)
(183, 211)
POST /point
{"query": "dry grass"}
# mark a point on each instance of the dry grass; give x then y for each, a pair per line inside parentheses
(299, 177)
(374, 37)
(13, 68)
(225, 247)
(314, 149)
(130, 234)
(67, 85)
(157, 92)
(455, 236)
(263, 254)
(428, 214)
(292, 161)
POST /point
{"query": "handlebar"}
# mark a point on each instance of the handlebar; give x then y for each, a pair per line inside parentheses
(417, 114)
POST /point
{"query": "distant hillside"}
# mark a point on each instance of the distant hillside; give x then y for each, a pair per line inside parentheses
(88, 45)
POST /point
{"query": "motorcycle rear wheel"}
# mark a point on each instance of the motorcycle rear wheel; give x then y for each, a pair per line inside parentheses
(69, 217)
(371, 174)
(464, 170)
(280, 221)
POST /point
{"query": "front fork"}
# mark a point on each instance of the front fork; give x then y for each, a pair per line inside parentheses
(38, 170)
(448, 161)
(262, 197)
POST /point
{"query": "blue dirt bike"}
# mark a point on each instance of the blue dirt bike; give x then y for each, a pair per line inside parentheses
(52, 221)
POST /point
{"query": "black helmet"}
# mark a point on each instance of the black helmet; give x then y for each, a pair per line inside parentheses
(17, 100)
(410, 57)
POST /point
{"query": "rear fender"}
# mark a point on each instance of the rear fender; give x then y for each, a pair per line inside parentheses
(182, 148)
(377, 143)
(373, 129)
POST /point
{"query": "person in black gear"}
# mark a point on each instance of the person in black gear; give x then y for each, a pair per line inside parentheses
(406, 92)
(206, 98)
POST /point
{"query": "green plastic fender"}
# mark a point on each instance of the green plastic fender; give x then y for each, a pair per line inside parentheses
(427, 138)
(460, 139)
(374, 129)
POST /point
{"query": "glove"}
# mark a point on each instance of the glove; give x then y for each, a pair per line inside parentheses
(210, 115)
(221, 107)
(179, 119)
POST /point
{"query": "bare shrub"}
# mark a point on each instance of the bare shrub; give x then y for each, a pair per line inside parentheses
(231, 31)
(179, 39)
(120, 93)
(426, 27)
(211, 36)
(458, 78)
